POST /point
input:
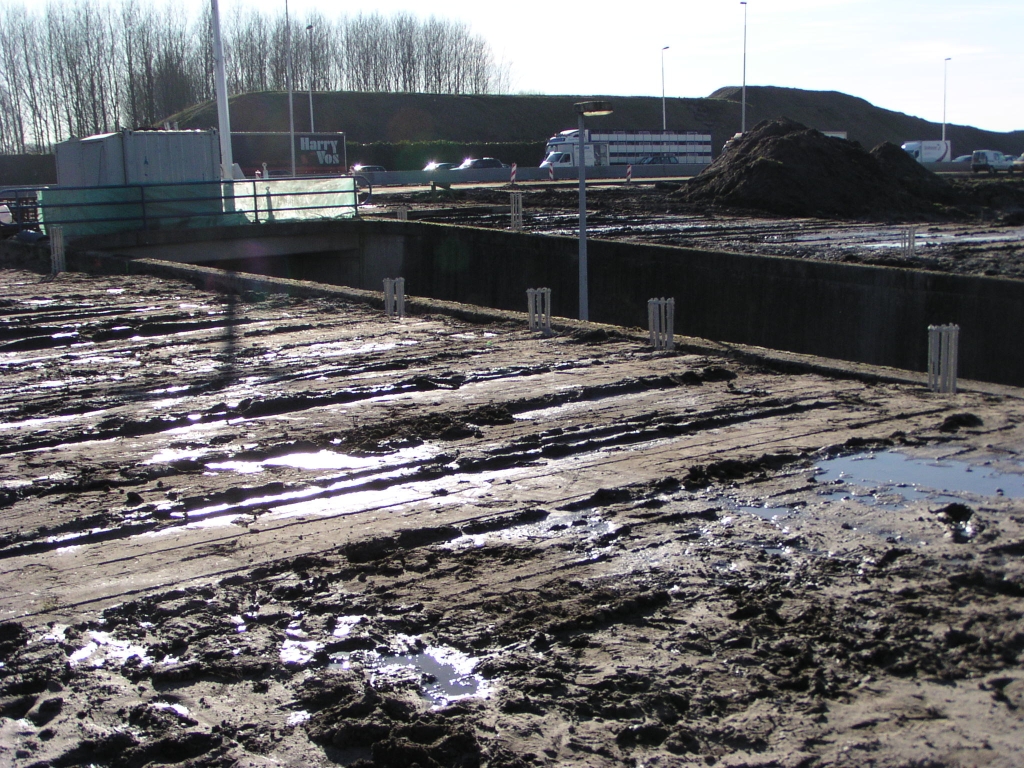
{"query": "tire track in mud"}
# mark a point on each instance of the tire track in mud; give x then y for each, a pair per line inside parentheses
(519, 453)
(252, 408)
(643, 429)
(237, 501)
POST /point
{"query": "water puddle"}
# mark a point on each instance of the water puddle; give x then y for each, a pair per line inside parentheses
(102, 647)
(344, 348)
(881, 479)
(167, 455)
(77, 535)
(356, 489)
(382, 487)
(330, 460)
(553, 526)
(441, 674)
(942, 238)
(35, 424)
(298, 652)
(472, 336)
(772, 514)
(552, 412)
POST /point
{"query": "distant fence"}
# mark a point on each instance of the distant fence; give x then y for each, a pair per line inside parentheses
(494, 175)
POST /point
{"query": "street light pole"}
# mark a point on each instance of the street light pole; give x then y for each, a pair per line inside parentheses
(309, 29)
(220, 82)
(945, 72)
(743, 112)
(583, 109)
(288, 77)
(663, 121)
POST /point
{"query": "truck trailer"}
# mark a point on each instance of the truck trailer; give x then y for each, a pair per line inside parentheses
(627, 148)
(929, 151)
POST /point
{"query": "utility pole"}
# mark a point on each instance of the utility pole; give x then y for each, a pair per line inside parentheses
(227, 162)
(288, 77)
(743, 113)
(945, 73)
(309, 29)
(663, 121)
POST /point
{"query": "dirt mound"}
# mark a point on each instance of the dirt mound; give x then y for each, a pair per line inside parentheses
(785, 168)
(900, 168)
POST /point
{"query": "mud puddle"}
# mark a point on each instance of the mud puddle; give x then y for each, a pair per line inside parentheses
(440, 674)
(329, 460)
(543, 526)
(888, 475)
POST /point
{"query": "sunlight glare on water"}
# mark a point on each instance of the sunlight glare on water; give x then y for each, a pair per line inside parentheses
(915, 478)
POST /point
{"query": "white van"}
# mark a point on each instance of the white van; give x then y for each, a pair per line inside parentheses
(991, 161)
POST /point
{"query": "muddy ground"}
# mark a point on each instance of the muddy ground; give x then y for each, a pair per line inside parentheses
(983, 234)
(259, 530)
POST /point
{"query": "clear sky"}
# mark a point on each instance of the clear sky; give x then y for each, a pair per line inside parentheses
(890, 52)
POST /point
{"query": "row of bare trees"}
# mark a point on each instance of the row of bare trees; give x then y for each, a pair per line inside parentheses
(80, 67)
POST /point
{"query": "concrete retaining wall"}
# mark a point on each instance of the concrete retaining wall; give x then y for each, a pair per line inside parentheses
(875, 315)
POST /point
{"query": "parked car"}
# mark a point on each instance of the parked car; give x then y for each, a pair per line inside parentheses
(477, 164)
(368, 169)
(962, 159)
(991, 161)
(1018, 164)
(658, 160)
(435, 166)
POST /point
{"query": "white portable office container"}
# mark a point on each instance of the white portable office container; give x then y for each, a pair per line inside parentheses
(138, 157)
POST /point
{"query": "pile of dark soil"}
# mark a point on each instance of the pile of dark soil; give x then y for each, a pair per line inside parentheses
(783, 167)
(999, 199)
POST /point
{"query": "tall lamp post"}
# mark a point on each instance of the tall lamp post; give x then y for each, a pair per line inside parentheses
(585, 109)
(663, 122)
(945, 72)
(220, 82)
(743, 108)
(309, 28)
(288, 77)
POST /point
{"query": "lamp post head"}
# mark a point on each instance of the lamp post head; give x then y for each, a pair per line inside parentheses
(593, 108)
(665, 48)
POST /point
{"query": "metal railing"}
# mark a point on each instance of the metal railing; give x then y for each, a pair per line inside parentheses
(98, 210)
(22, 206)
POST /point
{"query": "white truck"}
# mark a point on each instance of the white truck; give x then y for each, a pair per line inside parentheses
(929, 151)
(627, 148)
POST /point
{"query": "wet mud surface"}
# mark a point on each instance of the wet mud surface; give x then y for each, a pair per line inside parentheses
(256, 530)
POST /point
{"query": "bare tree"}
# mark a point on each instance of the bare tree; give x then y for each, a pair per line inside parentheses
(78, 67)
(12, 115)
